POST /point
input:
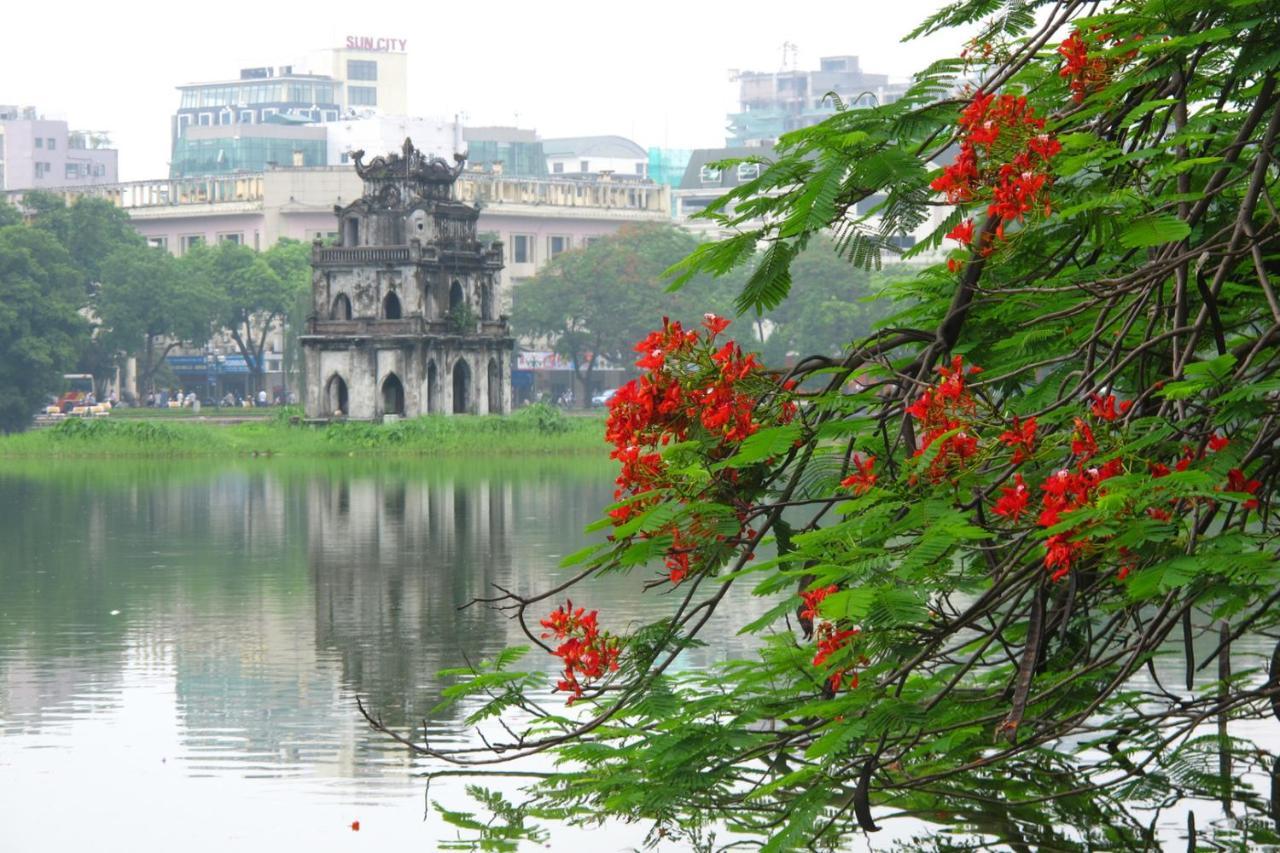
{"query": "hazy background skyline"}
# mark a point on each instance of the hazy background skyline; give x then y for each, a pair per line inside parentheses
(657, 73)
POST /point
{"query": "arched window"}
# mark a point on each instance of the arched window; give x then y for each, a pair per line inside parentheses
(391, 307)
(486, 301)
(341, 309)
(495, 388)
(455, 296)
(335, 397)
(461, 387)
(433, 389)
(392, 395)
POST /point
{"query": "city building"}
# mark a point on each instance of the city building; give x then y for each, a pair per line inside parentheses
(38, 153)
(405, 315)
(372, 73)
(265, 117)
(511, 151)
(586, 156)
(772, 103)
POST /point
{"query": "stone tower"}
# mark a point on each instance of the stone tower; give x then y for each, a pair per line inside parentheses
(404, 315)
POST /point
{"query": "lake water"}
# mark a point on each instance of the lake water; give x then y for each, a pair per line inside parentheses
(181, 646)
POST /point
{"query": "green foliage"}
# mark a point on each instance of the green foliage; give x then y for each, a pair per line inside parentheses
(1022, 675)
(40, 329)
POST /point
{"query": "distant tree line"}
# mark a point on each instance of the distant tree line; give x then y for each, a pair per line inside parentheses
(81, 291)
(595, 302)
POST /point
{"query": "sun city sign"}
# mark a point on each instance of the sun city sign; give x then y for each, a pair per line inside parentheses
(370, 43)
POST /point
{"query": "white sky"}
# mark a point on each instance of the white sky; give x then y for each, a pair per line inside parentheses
(656, 71)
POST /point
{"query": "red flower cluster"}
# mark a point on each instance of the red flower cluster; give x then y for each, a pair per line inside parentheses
(1022, 438)
(863, 478)
(1086, 70)
(812, 598)
(587, 653)
(1013, 499)
(1063, 492)
(1105, 407)
(944, 410)
(830, 641)
(693, 389)
(1237, 482)
(1004, 156)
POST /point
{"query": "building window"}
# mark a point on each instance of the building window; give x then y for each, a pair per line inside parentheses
(748, 171)
(556, 245)
(226, 117)
(184, 121)
(344, 158)
(158, 243)
(39, 141)
(329, 115)
(362, 69)
(246, 116)
(557, 168)
(236, 238)
(640, 169)
(267, 112)
(190, 241)
(99, 170)
(584, 166)
(709, 175)
(72, 170)
(521, 249)
(206, 119)
(362, 96)
(51, 143)
(42, 169)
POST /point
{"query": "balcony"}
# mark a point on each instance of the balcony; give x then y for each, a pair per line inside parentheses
(365, 327)
(346, 256)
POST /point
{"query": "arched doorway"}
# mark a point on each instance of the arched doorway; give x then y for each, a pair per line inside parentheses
(341, 309)
(455, 296)
(391, 307)
(495, 388)
(335, 397)
(433, 389)
(392, 395)
(461, 387)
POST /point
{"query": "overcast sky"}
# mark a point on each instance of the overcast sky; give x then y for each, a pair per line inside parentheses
(657, 72)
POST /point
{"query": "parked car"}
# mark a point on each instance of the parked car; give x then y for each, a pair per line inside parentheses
(602, 398)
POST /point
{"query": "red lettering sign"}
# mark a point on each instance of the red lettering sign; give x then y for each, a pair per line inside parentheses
(382, 45)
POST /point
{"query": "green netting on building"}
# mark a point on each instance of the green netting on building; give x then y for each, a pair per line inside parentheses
(667, 165)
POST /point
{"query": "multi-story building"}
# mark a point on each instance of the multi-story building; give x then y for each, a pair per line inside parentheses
(372, 73)
(244, 125)
(40, 153)
(588, 156)
(775, 102)
(514, 151)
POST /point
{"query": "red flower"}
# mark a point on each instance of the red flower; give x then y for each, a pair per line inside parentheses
(355, 826)
(863, 479)
(586, 652)
(1105, 408)
(1083, 443)
(713, 324)
(962, 233)
(812, 598)
(1013, 499)
(1217, 442)
(1022, 438)
(1236, 482)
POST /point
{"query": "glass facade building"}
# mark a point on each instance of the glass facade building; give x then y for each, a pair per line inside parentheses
(246, 154)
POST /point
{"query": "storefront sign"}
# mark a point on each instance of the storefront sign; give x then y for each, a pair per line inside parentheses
(371, 43)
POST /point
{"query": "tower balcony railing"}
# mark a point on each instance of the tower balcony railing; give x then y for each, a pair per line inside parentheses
(377, 327)
(345, 256)
(354, 255)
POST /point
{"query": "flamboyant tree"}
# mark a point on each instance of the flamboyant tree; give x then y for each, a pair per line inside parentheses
(1017, 537)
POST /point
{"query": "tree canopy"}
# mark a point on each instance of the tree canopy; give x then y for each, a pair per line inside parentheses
(1014, 541)
(40, 325)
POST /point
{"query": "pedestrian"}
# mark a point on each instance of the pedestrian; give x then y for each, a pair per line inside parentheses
(262, 397)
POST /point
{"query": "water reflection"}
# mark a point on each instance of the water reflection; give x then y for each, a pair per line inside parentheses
(181, 626)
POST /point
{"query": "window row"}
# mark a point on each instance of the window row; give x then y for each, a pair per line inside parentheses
(227, 116)
(259, 93)
(522, 246)
(48, 143)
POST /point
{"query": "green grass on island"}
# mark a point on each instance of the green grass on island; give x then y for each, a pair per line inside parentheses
(537, 429)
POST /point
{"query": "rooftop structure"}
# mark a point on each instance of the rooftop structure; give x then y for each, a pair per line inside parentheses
(581, 156)
(39, 153)
(772, 103)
